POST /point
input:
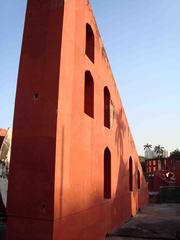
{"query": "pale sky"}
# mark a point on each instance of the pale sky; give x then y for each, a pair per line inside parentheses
(142, 40)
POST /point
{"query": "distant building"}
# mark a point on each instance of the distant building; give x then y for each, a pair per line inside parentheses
(149, 154)
(162, 172)
(5, 151)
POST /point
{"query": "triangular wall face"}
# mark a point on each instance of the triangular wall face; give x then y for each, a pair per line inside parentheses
(74, 167)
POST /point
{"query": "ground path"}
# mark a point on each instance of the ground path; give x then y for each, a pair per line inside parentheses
(155, 221)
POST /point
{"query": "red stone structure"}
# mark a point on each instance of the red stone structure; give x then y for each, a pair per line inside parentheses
(75, 172)
(2, 135)
(162, 172)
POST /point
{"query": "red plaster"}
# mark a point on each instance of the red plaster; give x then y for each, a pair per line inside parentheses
(56, 185)
(155, 172)
(2, 135)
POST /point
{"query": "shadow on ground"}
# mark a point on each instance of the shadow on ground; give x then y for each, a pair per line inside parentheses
(156, 221)
(2, 230)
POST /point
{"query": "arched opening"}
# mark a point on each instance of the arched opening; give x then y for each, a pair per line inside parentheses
(89, 95)
(107, 173)
(107, 101)
(130, 175)
(89, 42)
(138, 179)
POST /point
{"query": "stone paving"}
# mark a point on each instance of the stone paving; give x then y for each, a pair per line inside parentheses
(2, 231)
(156, 221)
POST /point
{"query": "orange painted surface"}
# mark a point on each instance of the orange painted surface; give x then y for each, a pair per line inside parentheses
(3, 132)
(56, 185)
(2, 135)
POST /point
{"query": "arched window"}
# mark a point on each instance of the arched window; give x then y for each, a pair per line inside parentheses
(107, 173)
(138, 179)
(130, 175)
(107, 101)
(89, 94)
(89, 42)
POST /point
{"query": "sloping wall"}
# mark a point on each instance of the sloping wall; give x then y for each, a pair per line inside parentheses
(72, 145)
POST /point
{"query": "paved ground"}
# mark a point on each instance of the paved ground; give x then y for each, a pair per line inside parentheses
(2, 231)
(156, 221)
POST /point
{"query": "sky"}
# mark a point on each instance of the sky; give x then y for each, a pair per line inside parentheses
(142, 41)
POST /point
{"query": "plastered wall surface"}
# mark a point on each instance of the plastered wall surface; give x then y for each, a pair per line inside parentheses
(56, 185)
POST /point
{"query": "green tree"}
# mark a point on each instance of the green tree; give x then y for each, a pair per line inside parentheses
(147, 146)
(159, 151)
(143, 163)
(175, 154)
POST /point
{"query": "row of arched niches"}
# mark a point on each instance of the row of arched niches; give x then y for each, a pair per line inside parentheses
(108, 114)
(89, 83)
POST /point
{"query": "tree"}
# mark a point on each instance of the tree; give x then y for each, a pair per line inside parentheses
(143, 164)
(159, 150)
(175, 154)
(147, 146)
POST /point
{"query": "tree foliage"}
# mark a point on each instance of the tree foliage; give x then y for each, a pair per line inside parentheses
(175, 154)
(143, 163)
(147, 146)
(159, 150)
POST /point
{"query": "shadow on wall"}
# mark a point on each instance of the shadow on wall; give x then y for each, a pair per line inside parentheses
(122, 199)
(123, 202)
(130, 200)
(62, 172)
(120, 132)
(115, 208)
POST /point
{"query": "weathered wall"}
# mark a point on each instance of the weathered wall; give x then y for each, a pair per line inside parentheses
(57, 166)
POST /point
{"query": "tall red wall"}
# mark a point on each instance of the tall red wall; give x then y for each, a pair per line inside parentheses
(57, 165)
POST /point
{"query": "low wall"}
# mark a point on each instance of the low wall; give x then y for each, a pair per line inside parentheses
(170, 194)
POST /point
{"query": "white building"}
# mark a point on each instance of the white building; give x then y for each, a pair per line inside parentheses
(148, 153)
(5, 152)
